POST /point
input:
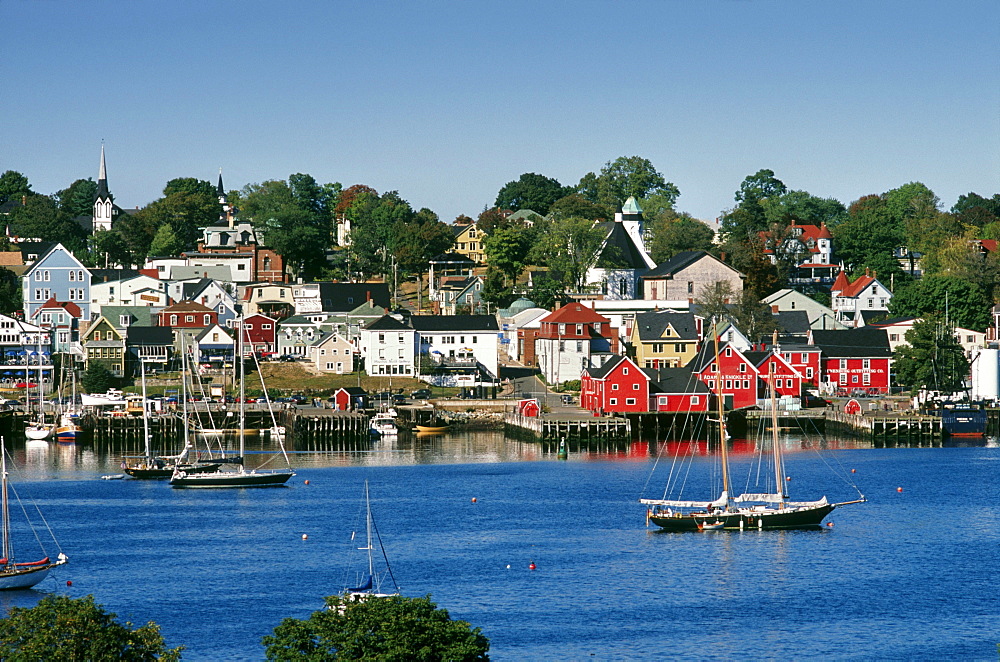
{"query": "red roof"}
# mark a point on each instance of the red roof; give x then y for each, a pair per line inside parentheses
(68, 306)
(848, 289)
(575, 313)
(807, 232)
(152, 273)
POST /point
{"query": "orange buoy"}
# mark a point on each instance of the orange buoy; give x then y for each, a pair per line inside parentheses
(854, 471)
(899, 489)
(307, 481)
(788, 477)
(69, 582)
(830, 524)
(473, 499)
(531, 566)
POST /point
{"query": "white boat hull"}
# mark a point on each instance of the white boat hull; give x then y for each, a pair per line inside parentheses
(22, 578)
(38, 432)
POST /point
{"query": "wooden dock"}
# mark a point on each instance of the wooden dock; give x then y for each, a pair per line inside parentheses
(549, 428)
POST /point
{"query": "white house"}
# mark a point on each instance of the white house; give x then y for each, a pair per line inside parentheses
(851, 299)
(333, 353)
(388, 346)
(126, 292)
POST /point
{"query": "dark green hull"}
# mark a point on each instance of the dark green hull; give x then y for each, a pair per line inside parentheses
(232, 479)
(151, 473)
(799, 518)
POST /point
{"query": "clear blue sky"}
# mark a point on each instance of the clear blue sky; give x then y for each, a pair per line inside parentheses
(446, 102)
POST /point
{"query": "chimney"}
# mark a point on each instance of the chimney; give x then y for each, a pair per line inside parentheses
(774, 309)
(368, 295)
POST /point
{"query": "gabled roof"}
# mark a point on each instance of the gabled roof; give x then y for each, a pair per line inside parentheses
(793, 322)
(352, 390)
(845, 288)
(682, 261)
(603, 370)
(652, 325)
(141, 315)
(575, 313)
(187, 307)
(675, 380)
(387, 323)
(619, 251)
(864, 342)
(454, 322)
(68, 306)
(802, 233)
(209, 329)
(150, 335)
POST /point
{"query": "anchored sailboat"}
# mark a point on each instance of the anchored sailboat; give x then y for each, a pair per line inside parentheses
(371, 582)
(771, 510)
(18, 575)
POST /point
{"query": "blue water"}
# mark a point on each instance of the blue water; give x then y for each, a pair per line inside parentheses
(908, 575)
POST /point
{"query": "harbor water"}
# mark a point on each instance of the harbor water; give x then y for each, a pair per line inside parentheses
(911, 574)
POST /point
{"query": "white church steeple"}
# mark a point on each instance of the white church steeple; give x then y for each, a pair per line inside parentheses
(104, 202)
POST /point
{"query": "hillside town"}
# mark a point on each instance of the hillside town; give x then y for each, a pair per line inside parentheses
(603, 288)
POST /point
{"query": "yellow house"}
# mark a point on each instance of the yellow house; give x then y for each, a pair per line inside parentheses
(663, 339)
(469, 242)
(106, 345)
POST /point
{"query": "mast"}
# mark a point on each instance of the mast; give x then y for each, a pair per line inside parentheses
(239, 348)
(145, 416)
(368, 529)
(779, 483)
(724, 451)
(6, 505)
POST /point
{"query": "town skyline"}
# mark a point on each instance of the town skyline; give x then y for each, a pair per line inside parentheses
(447, 104)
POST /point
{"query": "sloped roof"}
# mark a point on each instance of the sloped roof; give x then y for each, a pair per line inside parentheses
(619, 251)
(575, 313)
(864, 342)
(149, 335)
(631, 206)
(387, 323)
(681, 261)
(651, 325)
(602, 371)
(675, 380)
(68, 306)
(793, 321)
(454, 323)
(187, 307)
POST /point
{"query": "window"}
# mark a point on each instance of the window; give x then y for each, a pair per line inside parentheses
(743, 367)
(613, 401)
(72, 276)
(208, 320)
(189, 319)
(711, 384)
(854, 379)
(124, 320)
(729, 351)
(614, 387)
(624, 371)
(97, 335)
(678, 348)
(843, 378)
(562, 345)
(562, 329)
(579, 329)
(779, 383)
(809, 373)
(843, 364)
(630, 401)
(381, 338)
(866, 364)
(729, 384)
(866, 379)
(173, 320)
(635, 387)
(657, 348)
(579, 346)
(804, 358)
(475, 339)
(871, 303)
(690, 287)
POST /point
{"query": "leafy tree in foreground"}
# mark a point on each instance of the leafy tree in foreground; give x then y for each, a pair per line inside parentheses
(393, 628)
(531, 191)
(965, 304)
(97, 378)
(933, 358)
(63, 628)
(10, 291)
(625, 176)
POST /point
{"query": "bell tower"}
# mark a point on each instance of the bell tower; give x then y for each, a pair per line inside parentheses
(104, 202)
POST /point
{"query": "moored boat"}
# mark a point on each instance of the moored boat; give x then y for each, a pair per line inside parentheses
(963, 422)
(384, 424)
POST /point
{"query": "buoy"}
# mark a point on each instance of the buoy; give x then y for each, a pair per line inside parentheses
(307, 481)
(830, 524)
(899, 489)
(854, 471)
(69, 582)
(788, 478)
(473, 499)
(508, 566)
(305, 536)
(531, 566)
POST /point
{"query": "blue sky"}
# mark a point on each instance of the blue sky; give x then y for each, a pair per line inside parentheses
(446, 102)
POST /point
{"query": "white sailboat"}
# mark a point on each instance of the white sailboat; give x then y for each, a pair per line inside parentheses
(370, 584)
(15, 575)
(39, 430)
(241, 476)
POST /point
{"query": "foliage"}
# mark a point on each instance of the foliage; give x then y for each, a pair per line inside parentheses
(14, 185)
(64, 628)
(495, 288)
(109, 247)
(932, 359)
(966, 304)
(749, 217)
(166, 242)
(670, 236)
(568, 247)
(97, 378)
(531, 191)
(372, 219)
(973, 209)
(78, 198)
(189, 185)
(715, 300)
(186, 212)
(762, 277)
(870, 231)
(507, 250)
(546, 292)
(41, 218)
(752, 317)
(349, 196)
(491, 219)
(417, 241)
(10, 291)
(624, 177)
(391, 628)
(575, 205)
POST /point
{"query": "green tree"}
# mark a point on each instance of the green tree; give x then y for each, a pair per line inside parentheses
(870, 233)
(191, 185)
(496, 290)
(14, 185)
(491, 219)
(624, 177)
(568, 247)
(974, 210)
(507, 250)
(575, 205)
(97, 378)
(965, 304)
(715, 300)
(166, 243)
(531, 191)
(41, 218)
(186, 212)
(10, 291)
(64, 628)
(752, 317)
(803, 208)
(931, 359)
(392, 628)
(749, 217)
(762, 276)
(78, 198)
(417, 241)
(670, 236)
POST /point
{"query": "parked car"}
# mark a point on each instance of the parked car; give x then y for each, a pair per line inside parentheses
(399, 399)
(810, 400)
(287, 358)
(421, 394)
(383, 397)
(299, 399)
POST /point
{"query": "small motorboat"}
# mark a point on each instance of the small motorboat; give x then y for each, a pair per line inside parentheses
(438, 426)
(717, 525)
(384, 425)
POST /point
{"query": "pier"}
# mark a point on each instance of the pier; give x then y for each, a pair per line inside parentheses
(548, 428)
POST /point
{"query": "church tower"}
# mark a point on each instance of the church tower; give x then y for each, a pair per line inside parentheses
(226, 216)
(104, 202)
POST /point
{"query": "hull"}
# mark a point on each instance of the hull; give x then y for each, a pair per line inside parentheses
(964, 422)
(67, 433)
(790, 518)
(22, 578)
(428, 428)
(38, 432)
(144, 472)
(231, 479)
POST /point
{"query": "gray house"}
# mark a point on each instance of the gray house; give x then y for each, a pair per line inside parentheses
(56, 274)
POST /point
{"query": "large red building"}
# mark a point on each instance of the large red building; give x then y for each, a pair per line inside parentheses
(260, 333)
(855, 361)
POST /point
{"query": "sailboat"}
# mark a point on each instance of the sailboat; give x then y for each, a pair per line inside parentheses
(18, 575)
(773, 510)
(241, 477)
(371, 582)
(148, 466)
(69, 426)
(39, 430)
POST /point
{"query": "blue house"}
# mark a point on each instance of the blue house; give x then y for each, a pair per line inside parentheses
(56, 275)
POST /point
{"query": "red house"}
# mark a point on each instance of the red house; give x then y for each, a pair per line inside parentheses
(738, 373)
(787, 380)
(805, 359)
(188, 315)
(855, 360)
(350, 398)
(260, 333)
(619, 386)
